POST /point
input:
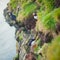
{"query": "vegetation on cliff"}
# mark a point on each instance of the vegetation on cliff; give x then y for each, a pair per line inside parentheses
(39, 27)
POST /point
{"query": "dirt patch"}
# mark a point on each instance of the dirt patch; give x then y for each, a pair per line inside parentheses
(57, 3)
(30, 23)
(57, 27)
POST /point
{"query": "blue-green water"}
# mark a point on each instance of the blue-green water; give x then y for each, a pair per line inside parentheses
(7, 36)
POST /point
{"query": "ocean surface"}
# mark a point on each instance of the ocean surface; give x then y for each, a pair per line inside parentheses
(7, 36)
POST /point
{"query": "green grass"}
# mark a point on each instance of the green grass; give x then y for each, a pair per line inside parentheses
(49, 19)
(13, 3)
(39, 57)
(53, 51)
(28, 9)
(16, 57)
(21, 36)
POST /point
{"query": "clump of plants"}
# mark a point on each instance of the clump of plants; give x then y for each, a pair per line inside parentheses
(53, 51)
(26, 12)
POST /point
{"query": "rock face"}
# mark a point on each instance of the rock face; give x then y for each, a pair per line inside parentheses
(8, 18)
(25, 32)
(22, 42)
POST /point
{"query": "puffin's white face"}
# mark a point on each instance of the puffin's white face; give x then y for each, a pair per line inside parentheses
(35, 17)
(33, 14)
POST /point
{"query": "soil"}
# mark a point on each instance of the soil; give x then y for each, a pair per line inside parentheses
(57, 3)
(30, 23)
(45, 38)
(57, 27)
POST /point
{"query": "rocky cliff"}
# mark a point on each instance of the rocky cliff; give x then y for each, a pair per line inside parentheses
(37, 24)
